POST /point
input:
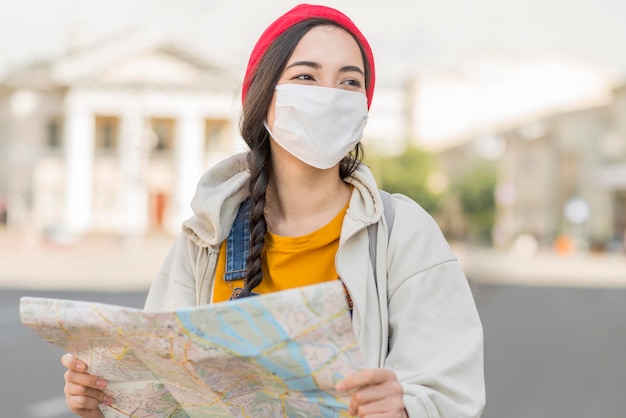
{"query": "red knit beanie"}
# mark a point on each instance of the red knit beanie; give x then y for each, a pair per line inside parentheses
(296, 15)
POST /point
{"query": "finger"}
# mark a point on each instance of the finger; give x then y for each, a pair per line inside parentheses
(379, 410)
(370, 394)
(72, 363)
(85, 379)
(382, 398)
(73, 389)
(386, 389)
(81, 397)
(81, 403)
(365, 377)
(383, 407)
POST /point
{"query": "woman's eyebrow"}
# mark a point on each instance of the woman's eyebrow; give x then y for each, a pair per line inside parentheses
(350, 68)
(311, 64)
(317, 66)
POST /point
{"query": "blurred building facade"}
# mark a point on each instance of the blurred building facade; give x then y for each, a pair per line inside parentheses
(558, 177)
(112, 139)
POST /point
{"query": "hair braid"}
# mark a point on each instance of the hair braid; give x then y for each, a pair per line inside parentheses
(259, 164)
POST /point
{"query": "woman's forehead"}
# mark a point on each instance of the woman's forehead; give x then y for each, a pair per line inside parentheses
(329, 44)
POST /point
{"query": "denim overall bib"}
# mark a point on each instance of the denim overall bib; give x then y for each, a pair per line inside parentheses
(238, 248)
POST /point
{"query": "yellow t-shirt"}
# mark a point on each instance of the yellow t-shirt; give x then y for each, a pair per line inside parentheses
(289, 262)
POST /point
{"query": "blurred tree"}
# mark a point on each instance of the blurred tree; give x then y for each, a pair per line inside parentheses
(407, 174)
(475, 190)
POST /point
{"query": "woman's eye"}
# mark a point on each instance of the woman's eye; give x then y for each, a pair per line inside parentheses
(303, 77)
(352, 82)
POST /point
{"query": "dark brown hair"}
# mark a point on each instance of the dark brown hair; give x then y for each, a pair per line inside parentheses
(255, 108)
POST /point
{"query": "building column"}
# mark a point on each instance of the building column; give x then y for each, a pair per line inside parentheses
(135, 149)
(78, 138)
(188, 166)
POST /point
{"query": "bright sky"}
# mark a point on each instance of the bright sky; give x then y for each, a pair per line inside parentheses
(406, 35)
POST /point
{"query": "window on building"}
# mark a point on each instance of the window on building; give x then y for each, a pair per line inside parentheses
(164, 130)
(107, 133)
(54, 134)
(216, 135)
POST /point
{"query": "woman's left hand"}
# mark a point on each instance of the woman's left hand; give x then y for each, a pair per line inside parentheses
(377, 394)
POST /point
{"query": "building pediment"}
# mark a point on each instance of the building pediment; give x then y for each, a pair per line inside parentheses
(157, 67)
(146, 61)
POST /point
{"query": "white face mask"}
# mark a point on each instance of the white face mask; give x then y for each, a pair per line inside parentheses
(318, 125)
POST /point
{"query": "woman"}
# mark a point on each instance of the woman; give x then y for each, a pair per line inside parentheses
(308, 203)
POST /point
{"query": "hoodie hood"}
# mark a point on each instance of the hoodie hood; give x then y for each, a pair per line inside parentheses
(223, 187)
(219, 193)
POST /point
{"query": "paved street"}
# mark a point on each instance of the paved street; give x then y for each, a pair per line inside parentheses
(551, 352)
(554, 352)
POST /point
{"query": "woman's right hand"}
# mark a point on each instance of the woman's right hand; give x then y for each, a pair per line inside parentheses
(83, 392)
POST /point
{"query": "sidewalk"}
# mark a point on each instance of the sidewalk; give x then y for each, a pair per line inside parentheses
(546, 268)
(91, 263)
(115, 264)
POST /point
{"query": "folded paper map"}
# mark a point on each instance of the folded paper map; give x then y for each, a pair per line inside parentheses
(272, 355)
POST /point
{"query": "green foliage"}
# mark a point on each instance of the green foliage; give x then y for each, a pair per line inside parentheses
(406, 174)
(476, 193)
(472, 187)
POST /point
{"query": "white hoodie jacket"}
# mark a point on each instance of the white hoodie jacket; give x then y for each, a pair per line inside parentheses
(421, 319)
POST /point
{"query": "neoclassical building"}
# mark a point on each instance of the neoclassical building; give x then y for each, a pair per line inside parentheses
(112, 139)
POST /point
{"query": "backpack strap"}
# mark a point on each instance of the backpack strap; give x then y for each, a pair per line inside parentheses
(389, 214)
